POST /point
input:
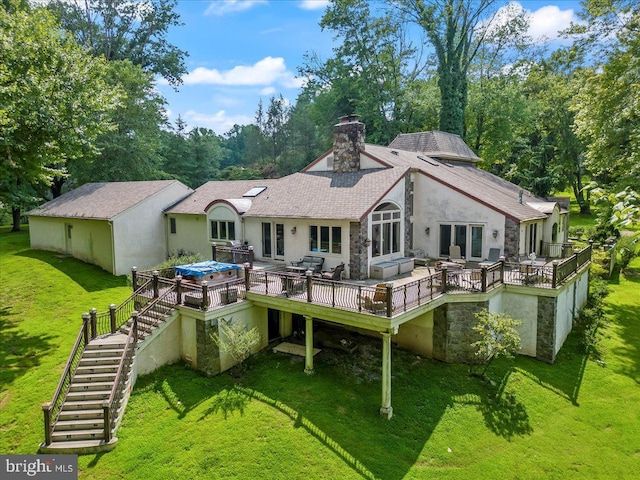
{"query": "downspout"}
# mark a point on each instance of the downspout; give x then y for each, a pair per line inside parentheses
(113, 248)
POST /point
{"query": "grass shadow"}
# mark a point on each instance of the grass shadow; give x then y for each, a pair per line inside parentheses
(344, 393)
(565, 376)
(19, 351)
(503, 413)
(227, 402)
(90, 277)
(625, 319)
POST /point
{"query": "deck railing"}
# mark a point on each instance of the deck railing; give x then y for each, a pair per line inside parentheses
(383, 299)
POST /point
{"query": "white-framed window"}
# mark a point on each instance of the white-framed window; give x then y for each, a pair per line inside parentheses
(324, 239)
(223, 230)
(386, 234)
(469, 237)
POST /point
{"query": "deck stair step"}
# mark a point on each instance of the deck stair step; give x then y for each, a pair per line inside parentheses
(74, 405)
(94, 377)
(104, 361)
(92, 414)
(89, 386)
(89, 369)
(102, 352)
(88, 395)
(71, 435)
(80, 424)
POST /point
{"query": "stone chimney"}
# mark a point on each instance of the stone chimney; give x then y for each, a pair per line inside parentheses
(348, 142)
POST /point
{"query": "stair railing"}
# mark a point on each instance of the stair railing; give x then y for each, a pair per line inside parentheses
(52, 409)
(93, 324)
(110, 406)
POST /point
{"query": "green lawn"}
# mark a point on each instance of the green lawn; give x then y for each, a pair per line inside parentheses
(575, 419)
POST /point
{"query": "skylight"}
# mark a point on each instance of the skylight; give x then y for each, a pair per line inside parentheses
(254, 192)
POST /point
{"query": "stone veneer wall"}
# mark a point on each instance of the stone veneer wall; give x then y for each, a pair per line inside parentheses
(358, 253)
(348, 141)
(453, 331)
(208, 353)
(546, 333)
(511, 238)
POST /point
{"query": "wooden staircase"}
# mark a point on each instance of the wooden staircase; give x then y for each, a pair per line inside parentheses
(80, 426)
(149, 319)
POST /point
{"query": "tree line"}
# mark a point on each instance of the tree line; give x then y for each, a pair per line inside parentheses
(78, 102)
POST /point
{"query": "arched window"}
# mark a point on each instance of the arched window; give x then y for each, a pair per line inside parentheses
(386, 237)
(554, 233)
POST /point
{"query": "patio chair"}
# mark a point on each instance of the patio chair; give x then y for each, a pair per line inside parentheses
(494, 256)
(334, 274)
(455, 255)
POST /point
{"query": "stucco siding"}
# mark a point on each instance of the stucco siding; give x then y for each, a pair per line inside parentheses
(565, 315)
(191, 235)
(162, 349)
(436, 204)
(524, 308)
(140, 233)
(417, 335)
(47, 234)
(296, 245)
(90, 240)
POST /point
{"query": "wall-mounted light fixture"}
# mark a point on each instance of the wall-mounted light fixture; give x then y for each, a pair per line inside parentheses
(495, 233)
(427, 230)
(293, 231)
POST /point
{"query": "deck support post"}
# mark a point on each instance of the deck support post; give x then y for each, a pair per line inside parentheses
(308, 336)
(386, 410)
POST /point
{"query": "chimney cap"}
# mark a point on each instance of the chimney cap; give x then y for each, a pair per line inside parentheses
(349, 118)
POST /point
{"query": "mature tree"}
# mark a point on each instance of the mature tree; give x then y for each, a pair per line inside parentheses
(131, 151)
(456, 29)
(369, 72)
(125, 30)
(607, 109)
(54, 103)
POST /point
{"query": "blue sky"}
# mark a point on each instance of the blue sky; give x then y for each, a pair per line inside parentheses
(241, 51)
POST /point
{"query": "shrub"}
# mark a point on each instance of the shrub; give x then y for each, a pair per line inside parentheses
(498, 338)
(236, 340)
(592, 317)
(627, 247)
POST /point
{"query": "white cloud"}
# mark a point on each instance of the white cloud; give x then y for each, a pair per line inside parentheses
(220, 122)
(267, 91)
(265, 72)
(547, 21)
(314, 4)
(222, 7)
(544, 23)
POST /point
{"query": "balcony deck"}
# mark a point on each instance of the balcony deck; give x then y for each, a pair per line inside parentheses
(391, 298)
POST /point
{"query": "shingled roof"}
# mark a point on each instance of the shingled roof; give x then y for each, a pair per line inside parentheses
(484, 187)
(435, 144)
(101, 201)
(325, 195)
